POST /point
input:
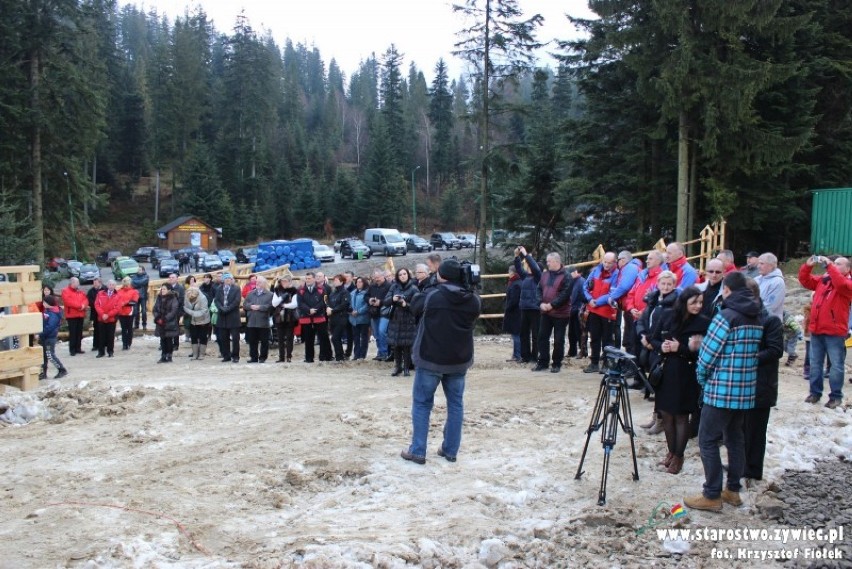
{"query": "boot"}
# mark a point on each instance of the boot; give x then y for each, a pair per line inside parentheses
(650, 423)
(162, 359)
(397, 358)
(675, 465)
(406, 362)
(62, 373)
(169, 358)
(657, 428)
(196, 349)
(202, 351)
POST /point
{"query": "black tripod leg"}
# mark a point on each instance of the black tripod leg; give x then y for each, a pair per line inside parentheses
(594, 425)
(602, 493)
(627, 426)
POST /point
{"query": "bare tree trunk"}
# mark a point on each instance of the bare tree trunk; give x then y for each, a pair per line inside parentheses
(693, 190)
(428, 137)
(35, 157)
(682, 178)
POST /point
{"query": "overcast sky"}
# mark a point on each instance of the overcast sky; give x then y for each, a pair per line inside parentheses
(350, 30)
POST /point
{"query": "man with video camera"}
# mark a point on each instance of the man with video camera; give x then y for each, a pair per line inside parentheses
(442, 354)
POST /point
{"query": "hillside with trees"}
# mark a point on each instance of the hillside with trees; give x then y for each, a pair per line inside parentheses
(735, 111)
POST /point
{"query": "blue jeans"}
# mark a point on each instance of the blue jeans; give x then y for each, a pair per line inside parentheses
(718, 424)
(516, 346)
(380, 333)
(834, 348)
(423, 398)
(360, 339)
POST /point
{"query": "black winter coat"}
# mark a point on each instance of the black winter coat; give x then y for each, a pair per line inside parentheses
(679, 391)
(166, 312)
(771, 350)
(338, 301)
(512, 311)
(402, 327)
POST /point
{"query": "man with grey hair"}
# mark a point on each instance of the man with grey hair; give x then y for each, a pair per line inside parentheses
(257, 305)
(421, 275)
(556, 285)
(773, 290)
(628, 271)
(601, 311)
(727, 258)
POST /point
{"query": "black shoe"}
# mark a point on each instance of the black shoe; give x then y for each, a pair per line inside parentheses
(413, 457)
(253, 361)
(100, 355)
(592, 368)
(162, 360)
(555, 369)
(396, 372)
(62, 373)
(109, 355)
(42, 375)
(309, 361)
(449, 458)
(72, 354)
(236, 360)
(226, 360)
(539, 367)
(262, 360)
(379, 359)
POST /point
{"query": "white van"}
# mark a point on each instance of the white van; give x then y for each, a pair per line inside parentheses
(384, 241)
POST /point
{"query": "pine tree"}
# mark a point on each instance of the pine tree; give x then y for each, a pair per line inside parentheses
(203, 194)
(441, 117)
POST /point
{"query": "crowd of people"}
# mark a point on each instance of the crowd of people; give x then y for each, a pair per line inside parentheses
(713, 341)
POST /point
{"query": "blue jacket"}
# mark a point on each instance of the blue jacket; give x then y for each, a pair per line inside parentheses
(728, 358)
(358, 303)
(625, 279)
(52, 318)
(596, 275)
(578, 298)
(530, 293)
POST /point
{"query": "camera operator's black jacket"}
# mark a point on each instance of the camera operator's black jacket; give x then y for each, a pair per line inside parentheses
(444, 341)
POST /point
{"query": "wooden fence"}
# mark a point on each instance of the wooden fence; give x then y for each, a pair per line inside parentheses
(19, 366)
(711, 240)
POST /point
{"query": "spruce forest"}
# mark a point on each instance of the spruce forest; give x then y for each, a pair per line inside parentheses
(747, 103)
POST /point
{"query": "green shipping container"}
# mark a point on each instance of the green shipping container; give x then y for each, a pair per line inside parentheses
(831, 222)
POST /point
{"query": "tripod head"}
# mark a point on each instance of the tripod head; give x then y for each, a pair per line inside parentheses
(622, 365)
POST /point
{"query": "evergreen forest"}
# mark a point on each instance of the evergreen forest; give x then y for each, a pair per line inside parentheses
(743, 107)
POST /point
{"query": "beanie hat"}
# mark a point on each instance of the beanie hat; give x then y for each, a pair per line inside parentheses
(451, 270)
(227, 276)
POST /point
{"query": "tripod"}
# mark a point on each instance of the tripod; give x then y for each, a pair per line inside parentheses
(612, 410)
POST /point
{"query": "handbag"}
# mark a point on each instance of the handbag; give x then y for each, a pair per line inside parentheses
(655, 376)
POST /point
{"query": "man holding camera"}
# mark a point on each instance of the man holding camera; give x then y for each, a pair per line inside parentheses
(442, 354)
(828, 324)
(376, 293)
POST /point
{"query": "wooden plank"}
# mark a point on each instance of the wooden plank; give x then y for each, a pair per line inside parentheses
(15, 360)
(19, 293)
(25, 379)
(20, 324)
(18, 269)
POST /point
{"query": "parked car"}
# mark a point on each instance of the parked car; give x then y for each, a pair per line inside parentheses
(209, 263)
(351, 247)
(225, 255)
(247, 255)
(56, 263)
(445, 240)
(158, 256)
(73, 266)
(168, 266)
(385, 241)
(143, 254)
(106, 258)
(324, 253)
(418, 244)
(468, 240)
(88, 273)
(124, 267)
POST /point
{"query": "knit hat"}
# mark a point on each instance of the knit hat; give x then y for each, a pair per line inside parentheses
(451, 270)
(227, 276)
(752, 254)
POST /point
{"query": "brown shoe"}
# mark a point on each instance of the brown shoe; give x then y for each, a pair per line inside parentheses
(666, 461)
(413, 457)
(700, 502)
(731, 497)
(675, 465)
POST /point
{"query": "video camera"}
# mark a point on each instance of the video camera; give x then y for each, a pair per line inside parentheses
(620, 361)
(470, 275)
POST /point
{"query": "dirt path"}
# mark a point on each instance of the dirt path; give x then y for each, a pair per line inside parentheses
(298, 465)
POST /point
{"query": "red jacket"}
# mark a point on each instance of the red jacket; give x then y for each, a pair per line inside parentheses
(635, 299)
(127, 297)
(598, 285)
(106, 305)
(832, 297)
(75, 301)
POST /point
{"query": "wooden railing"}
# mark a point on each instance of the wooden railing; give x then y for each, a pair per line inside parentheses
(19, 366)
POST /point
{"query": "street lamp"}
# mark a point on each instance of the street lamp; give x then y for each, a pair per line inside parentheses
(71, 213)
(413, 202)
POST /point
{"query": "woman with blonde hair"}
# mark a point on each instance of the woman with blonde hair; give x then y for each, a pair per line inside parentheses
(195, 306)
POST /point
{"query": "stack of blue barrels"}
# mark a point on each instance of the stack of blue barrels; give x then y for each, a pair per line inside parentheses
(299, 254)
